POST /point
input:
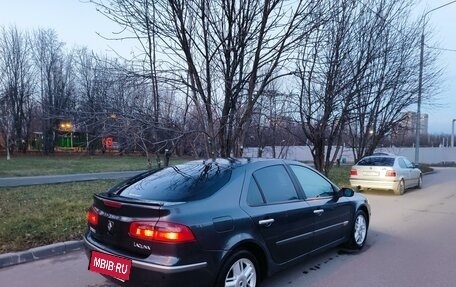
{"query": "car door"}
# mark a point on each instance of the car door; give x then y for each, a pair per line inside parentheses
(405, 172)
(332, 216)
(282, 219)
(414, 172)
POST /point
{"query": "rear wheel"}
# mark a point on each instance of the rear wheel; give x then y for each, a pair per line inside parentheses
(359, 232)
(400, 188)
(420, 182)
(359, 189)
(240, 270)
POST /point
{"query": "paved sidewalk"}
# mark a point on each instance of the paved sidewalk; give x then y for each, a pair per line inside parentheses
(46, 179)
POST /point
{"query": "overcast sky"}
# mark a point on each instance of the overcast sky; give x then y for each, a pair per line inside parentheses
(77, 24)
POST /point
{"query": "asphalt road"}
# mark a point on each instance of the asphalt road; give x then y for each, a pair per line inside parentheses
(411, 242)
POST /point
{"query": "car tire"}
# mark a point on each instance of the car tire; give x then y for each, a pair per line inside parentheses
(358, 189)
(358, 233)
(420, 182)
(241, 269)
(400, 189)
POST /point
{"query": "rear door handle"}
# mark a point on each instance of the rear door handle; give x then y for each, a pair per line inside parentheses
(266, 222)
(319, 211)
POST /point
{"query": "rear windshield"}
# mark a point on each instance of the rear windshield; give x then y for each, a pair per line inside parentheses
(185, 182)
(377, 161)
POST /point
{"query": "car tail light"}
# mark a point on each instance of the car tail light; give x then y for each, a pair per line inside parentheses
(391, 173)
(92, 216)
(161, 231)
(353, 172)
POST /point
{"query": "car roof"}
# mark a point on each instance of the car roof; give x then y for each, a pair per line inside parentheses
(384, 156)
(229, 160)
(237, 162)
(383, 153)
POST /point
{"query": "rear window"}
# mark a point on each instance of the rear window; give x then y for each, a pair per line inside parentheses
(185, 182)
(377, 161)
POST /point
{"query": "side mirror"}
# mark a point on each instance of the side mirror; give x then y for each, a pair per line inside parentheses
(345, 192)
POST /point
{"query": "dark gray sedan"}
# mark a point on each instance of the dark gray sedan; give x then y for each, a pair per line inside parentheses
(224, 222)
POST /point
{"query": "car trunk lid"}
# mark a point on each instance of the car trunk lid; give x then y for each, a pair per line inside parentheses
(372, 172)
(115, 215)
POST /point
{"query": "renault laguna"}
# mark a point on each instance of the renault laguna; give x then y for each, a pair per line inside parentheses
(222, 222)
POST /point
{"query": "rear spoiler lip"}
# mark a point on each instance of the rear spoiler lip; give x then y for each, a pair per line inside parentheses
(133, 201)
(127, 201)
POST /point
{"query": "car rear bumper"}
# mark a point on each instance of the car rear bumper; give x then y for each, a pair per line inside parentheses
(373, 184)
(149, 274)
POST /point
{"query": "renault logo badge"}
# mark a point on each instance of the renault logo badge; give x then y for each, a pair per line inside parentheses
(110, 225)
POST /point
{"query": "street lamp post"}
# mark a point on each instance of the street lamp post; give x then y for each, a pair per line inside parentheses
(420, 85)
(452, 133)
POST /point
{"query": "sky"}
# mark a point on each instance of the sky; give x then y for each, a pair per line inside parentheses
(77, 24)
(442, 22)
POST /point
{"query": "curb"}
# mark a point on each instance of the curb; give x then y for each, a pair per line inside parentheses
(38, 253)
(429, 172)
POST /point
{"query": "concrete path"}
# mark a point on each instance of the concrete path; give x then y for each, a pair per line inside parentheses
(46, 179)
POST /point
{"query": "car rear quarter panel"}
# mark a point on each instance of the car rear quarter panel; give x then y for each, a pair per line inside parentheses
(218, 223)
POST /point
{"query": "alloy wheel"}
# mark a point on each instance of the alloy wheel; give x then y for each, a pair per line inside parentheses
(241, 274)
(360, 229)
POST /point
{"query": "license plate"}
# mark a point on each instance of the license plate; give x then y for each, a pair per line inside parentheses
(110, 265)
(375, 173)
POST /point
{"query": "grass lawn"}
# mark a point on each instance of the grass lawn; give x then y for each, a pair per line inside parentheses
(37, 215)
(339, 175)
(42, 165)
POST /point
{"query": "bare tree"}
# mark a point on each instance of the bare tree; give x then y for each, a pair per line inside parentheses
(137, 19)
(272, 121)
(232, 50)
(327, 71)
(17, 85)
(390, 87)
(6, 125)
(56, 81)
(357, 75)
(224, 52)
(96, 94)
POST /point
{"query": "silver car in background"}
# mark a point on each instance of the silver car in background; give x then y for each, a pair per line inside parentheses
(387, 172)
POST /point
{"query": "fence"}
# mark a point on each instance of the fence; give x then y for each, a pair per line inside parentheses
(428, 155)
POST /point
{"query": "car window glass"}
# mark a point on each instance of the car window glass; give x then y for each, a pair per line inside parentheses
(254, 196)
(377, 161)
(184, 182)
(275, 184)
(313, 184)
(408, 163)
(401, 163)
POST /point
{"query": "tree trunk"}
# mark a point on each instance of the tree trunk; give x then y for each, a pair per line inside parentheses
(8, 156)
